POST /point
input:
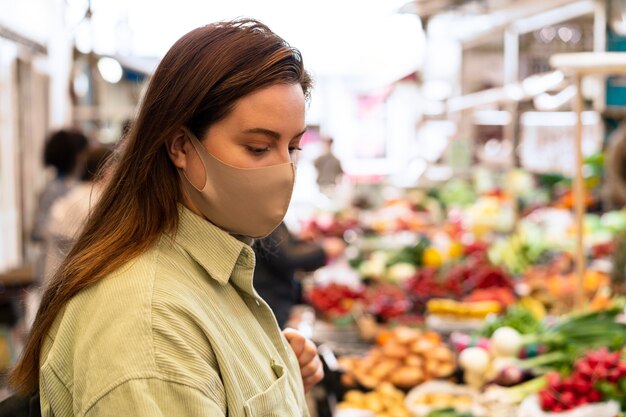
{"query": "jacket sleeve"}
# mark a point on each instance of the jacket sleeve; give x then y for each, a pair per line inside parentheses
(285, 251)
(152, 397)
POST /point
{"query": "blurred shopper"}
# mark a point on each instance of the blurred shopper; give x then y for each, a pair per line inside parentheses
(614, 188)
(328, 167)
(63, 151)
(278, 257)
(69, 213)
(153, 311)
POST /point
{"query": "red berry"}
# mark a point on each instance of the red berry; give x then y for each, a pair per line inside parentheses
(568, 399)
(603, 353)
(567, 384)
(600, 372)
(581, 385)
(594, 396)
(546, 400)
(613, 375)
(582, 400)
(612, 360)
(593, 358)
(553, 379)
(585, 370)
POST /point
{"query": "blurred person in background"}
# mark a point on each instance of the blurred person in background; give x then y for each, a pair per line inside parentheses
(328, 167)
(153, 311)
(69, 212)
(278, 257)
(614, 187)
(66, 218)
(63, 151)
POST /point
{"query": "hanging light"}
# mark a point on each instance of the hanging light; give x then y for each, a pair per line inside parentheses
(110, 70)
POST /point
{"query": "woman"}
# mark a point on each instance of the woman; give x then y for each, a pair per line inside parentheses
(63, 151)
(153, 312)
(63, 229)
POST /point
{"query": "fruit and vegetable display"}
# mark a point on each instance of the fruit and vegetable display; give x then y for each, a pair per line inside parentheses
(336, 301)
(325, 224)
(598, 376)
(385, 401)
(442, 398)
(475, 278)
(523, 317)
(556, 281)
(489, 293)
(462, 309)
(413, 213)
(404, 357)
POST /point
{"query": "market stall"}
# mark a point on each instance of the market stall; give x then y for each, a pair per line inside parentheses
(581, 65)
(460, 300)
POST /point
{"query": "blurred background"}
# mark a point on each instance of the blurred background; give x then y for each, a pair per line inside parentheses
(408, 90)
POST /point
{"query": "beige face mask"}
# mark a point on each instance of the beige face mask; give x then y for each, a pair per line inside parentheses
(243, 201)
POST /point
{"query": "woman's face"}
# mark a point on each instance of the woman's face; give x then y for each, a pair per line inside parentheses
(263, 129)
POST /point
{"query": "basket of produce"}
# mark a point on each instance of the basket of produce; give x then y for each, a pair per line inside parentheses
(384, 401)
(531, 407)
(404, 357)
(437, 395)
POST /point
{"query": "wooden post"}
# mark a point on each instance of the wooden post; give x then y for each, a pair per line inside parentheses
(582, 64)
(579, 197)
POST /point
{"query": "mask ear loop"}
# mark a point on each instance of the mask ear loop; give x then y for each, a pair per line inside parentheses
(195, 143)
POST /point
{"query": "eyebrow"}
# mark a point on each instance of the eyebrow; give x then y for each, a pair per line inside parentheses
(270, 133)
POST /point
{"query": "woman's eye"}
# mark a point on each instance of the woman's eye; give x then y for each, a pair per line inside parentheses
(257, 151)
(293, 149)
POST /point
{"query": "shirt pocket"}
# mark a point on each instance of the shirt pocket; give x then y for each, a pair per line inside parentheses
(275, 401)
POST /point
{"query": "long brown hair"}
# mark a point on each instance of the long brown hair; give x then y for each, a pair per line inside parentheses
(196, 84)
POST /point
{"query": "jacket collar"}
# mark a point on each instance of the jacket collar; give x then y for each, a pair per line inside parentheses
(215, 250)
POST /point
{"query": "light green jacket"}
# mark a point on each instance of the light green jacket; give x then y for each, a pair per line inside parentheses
(178, 331)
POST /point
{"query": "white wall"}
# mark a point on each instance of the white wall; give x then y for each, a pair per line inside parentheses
(10, 225)
(44, 94)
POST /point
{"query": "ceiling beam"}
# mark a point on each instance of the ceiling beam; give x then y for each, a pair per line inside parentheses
(532, 15)
(22, 40)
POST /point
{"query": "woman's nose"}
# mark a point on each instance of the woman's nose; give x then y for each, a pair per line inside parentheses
(285, 156)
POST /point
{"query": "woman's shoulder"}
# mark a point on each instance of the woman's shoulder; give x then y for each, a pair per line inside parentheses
(106, 333)
(159, 275)
(119, 302)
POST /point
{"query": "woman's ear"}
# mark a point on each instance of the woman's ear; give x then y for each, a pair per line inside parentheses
(178, 149)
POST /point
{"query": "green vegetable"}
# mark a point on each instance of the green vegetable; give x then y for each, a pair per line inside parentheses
(552, 359)
(515, 394)
(607, 389)
(615, 221)
(356, 261)
(568, 339)
(588, 330)
(410, 254)
(448, 412)
(517, 317)
(613, 391)
(521, 250)
(457, 192)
